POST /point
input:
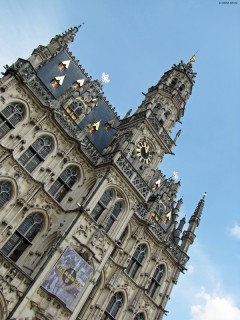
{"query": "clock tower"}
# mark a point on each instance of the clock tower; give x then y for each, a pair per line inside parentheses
(144, 137)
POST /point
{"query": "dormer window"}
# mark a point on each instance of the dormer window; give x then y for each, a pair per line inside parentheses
(74, 110)
(63, 65)
(57, 81)
(78, 84)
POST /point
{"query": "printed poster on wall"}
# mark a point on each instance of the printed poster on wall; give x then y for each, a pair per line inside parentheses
(68, 277)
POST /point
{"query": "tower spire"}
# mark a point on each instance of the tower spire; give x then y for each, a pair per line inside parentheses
(189, 235)
(66, 37)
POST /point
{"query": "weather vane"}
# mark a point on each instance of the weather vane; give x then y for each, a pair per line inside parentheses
(175, 176)
(105, 78)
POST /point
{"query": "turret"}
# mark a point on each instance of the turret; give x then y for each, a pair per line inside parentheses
(189, 235)
(168, 98)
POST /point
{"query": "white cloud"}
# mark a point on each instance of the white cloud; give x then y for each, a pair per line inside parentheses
(214, 307)
(235, 231)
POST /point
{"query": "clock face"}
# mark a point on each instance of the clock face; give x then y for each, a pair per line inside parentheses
(144, 152)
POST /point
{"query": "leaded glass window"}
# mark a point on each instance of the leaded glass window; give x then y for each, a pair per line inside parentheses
(113, 307)
(74, 109)
(114, 215)
(23, 236)
(5, 192)
(36, 153)
(102, 204)
(64, 183)
(156, 280)
(137, 260)
(10, 117)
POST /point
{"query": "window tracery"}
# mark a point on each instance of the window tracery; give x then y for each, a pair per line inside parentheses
(112, 202)
(64, 183)
(5, 192)
(24, 235)
(156, 280)
(36, 153)
(10, 116)
(114, 305)
(136, 261)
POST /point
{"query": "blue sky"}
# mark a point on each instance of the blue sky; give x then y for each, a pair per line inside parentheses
(136, 42)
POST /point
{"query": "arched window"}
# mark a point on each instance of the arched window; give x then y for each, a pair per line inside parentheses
(102, 204)
(10, 117)
(113, 307)
(174, 82)
(5, 192)
(36, 153)
(23, 236)
(156, 280)
(114, 215)
(137, 260)
(139, 316)
(182, 87)
(64, 183)
(112, 204)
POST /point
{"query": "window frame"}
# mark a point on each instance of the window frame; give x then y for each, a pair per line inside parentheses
(23, 237)
(156, 282)
(107, 315)
(135, 264)
(31, 158)
(6, 118)
(10, 192)
(64, 185)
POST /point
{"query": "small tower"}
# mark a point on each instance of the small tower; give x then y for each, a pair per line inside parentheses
(145, 136)
(189, 235)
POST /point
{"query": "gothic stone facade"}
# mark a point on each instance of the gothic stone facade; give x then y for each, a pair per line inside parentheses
(89, 192)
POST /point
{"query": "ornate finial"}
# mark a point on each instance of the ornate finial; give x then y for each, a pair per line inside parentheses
(128, 113)
(82, 24)
(105, 78)
(175, 176)
(193, 59)
(177, 135)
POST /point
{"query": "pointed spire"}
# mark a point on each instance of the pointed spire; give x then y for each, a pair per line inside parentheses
(199, 208)
(177, 135)
(66, 37)
(127, 114)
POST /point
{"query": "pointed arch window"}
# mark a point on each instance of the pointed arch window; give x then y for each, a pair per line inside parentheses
(139, 316)
(64, 183)
(156, 280)
(23, 236)
(114, 306)
(114, 215)
(182, 87)
(137, 260)
(112, 204)
(36, 153)
(174, 82)
(102, 204)
(5, 192)
(10, 117)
